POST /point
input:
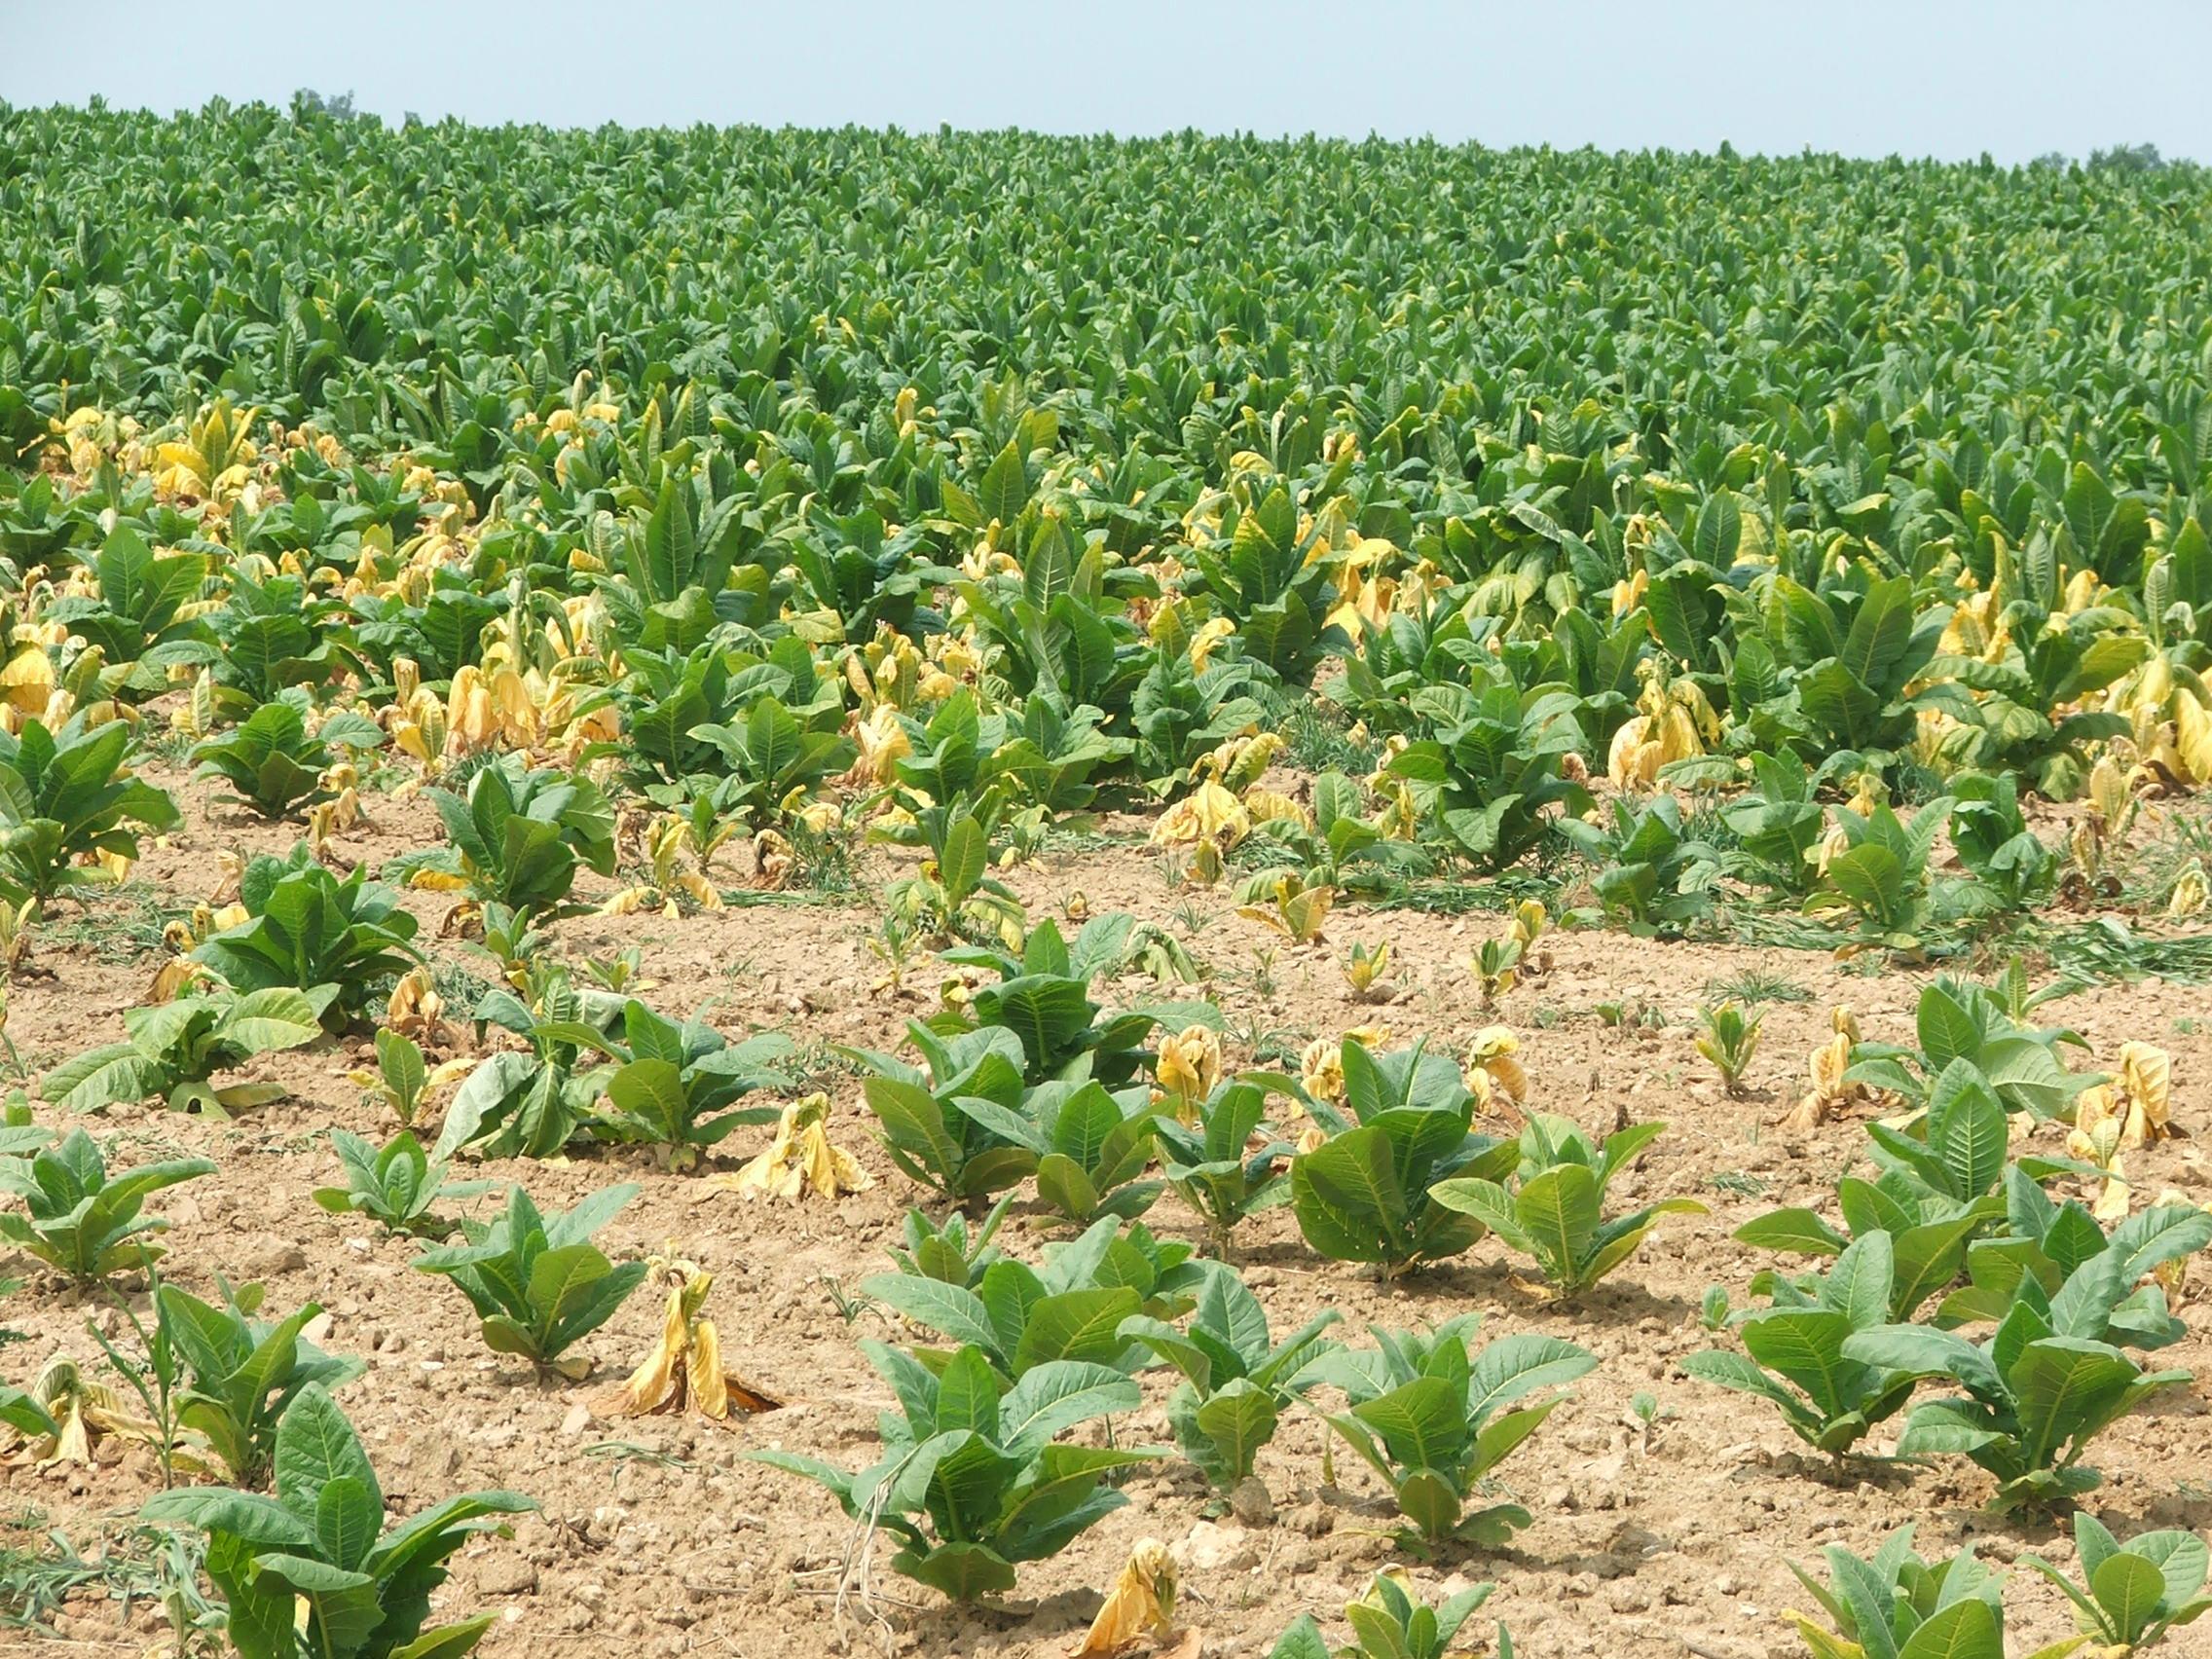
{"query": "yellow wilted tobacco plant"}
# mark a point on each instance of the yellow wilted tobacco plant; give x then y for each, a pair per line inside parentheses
(183, 936)
(1190, 1064)
(1366, 594)
(774, 861)
(16, 935)
(415, 1008)
(669, 852)
(1674, 722)
(1493, 1071)
(90, 1414)
(2100, 1147)
(1322, 1069)
(2189, 893)
(1829, 1093)
(2129, 1110)
(799, 1160)
(684, 1372)
(1628, 594)
(27, 680)
(882, 743)
(1364, 969)
(212, 460)
(195, 717)
(1293, 909)
(1321, 1066)
(2173, 1277)
(1209, 816)
(1499, 964)
(1141, 1605)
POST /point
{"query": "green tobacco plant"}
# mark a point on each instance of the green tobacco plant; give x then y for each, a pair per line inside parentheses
(274, 763)
(772, 762)
(1042, 996)
(1238, 1380)
(2036, 1393)
(79, 1220)
(1387, 1623)
(537, 1281)
(1650, 876)
(532, 1102)
(1957, 1020)
(1795, 1349)
(1429, 1416)
(519, 835)
(951, 1251)
(676, 1087)
(1894, 1602)
(1729, 1039)
(1070, 1309)
(396, 1184)
(1268, 577)
(1877, 885)
(857, 571)
(1555, 1208)
(402, 1078)
(1342, 850)
(2132, 1594)
(307, 928)
(972, 1478)
(241, 1374)
(1493, 770)
(133, 623)
(1090, 1145)
(1777, 822)
(1214, 1164)
(66, 795)
(1937, 1191)
(2043, 1243)
(927, 1127)
(313, 1571)
(2013, 869)
(1366, 1194)
(955, 892)
(175, 1048)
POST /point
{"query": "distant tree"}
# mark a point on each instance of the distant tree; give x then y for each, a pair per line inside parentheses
(2128, 159)
(308, 104)
(2057, 160)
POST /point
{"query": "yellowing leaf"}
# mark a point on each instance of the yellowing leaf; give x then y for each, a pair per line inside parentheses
(1140, 1605)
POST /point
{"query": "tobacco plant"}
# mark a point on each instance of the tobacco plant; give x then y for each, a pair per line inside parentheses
(1555, 1208)
(396, 1184)
(2132, 1594)
(1368, 1193)
(974, 1479)
(1238, 1380)
(537, 1282)
(67, 796)
(313, 1569)
(1429, 1415)
(241, 1374)
(175, 1048)
(79, 1220)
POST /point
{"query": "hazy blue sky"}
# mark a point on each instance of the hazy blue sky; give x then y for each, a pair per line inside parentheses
(1947, 78)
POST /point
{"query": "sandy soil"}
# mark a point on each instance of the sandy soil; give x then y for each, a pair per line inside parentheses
(654, 1538)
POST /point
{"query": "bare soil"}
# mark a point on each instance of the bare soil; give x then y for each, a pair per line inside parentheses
(654, 1538)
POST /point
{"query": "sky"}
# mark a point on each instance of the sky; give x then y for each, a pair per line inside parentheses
(1944, 77)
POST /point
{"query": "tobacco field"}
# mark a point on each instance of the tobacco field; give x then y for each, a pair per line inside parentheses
(771, 894)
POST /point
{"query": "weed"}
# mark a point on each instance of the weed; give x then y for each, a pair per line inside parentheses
(1751, 985)
(120, 924)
